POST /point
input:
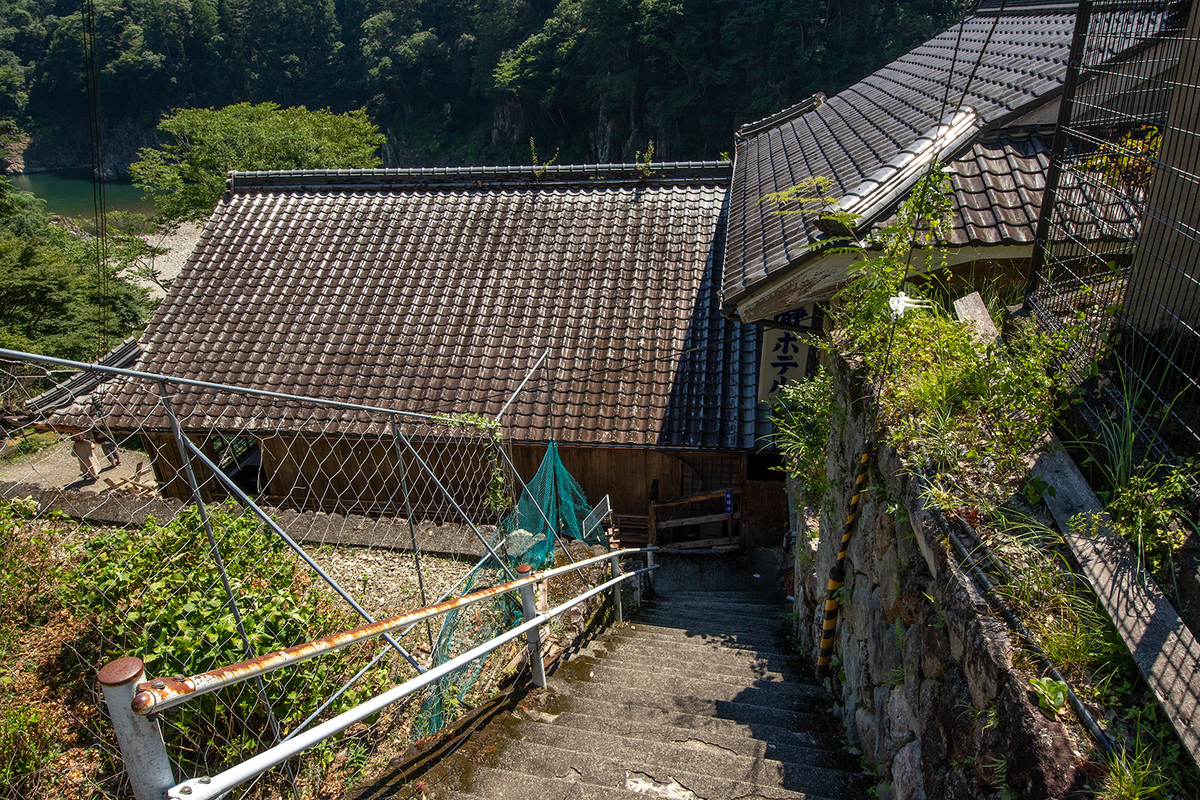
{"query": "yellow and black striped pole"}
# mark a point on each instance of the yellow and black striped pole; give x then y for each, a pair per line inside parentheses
(837, 573)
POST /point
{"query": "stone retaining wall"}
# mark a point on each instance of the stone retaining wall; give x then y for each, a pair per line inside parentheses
(923, 670)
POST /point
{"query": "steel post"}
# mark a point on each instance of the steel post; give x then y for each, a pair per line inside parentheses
(182, 443)
(618, 612)
(534, 636)
(140, 739)
(650, 571)
(412, 531)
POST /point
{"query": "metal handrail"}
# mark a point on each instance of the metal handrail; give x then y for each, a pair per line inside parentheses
(163, 693)
(221, 387)
(204, 788)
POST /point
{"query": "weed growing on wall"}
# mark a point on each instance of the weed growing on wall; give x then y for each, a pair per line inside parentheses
(801, 414)
(966, 413)
(949, 402)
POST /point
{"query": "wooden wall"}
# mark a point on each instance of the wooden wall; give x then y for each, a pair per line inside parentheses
(361, 476)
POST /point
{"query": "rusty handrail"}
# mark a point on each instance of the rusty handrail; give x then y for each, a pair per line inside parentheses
(163, 693)
(210, 788)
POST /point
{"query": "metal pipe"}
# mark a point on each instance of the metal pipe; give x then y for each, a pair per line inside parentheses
(300, 551)
(534, 637)
(528, 375)
(140, 739)
(151, 698)
(454, 503)
(205, 788)
(185, 446)
(412, 531)
(989, 590)
(618, 610)
(220, 387)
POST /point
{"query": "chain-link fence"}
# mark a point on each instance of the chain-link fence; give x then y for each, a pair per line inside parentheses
(193, 526)
(1119, 231)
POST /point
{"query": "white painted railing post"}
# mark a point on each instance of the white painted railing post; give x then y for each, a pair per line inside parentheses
(139, 738)
(618, 612)
(534, 636)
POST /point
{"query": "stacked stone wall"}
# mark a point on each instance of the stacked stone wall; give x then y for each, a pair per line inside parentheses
(923, 670)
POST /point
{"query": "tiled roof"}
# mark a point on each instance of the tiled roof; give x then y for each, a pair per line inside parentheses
(850, 136)
(437, 290)
(83, 383)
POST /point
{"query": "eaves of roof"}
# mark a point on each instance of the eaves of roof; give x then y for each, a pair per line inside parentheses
(852, 135)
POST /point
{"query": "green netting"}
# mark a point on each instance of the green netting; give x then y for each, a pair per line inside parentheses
(552, 498)
(522, 537)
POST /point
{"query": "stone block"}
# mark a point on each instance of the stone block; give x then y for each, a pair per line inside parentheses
(884, 746)
(935, 642)
(859, 618)
(988, 660)
(854, 665)
(907, 781)
(1040, 760)
(866, 728)
(889, 582)
(901, 720)
(885, 656)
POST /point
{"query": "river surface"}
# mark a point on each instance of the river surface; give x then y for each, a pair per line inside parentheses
(69, 193)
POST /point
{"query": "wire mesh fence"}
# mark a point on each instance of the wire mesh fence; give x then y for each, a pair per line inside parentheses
(195, 526)
(1119, 229)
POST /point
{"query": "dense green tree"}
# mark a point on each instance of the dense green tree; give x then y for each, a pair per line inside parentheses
(186, 174)
(52, 300)
(454, 81)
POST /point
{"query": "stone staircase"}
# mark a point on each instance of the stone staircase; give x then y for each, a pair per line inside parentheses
(694, 700)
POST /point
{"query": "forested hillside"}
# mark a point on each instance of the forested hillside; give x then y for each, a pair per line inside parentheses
(449, 81)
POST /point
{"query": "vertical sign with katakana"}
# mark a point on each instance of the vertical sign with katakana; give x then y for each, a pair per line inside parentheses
(784, 354)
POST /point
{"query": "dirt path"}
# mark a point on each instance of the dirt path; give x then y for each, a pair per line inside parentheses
(56, 466)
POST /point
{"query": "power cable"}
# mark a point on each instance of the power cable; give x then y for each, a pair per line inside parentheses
(91, 56)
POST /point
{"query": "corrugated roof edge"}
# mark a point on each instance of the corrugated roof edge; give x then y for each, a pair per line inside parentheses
(780, 117)
(659, 173)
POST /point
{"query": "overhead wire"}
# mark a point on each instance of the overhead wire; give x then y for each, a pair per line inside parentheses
(87, 10)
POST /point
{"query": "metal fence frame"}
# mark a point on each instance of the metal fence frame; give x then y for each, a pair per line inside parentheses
(134, 701)
(1126, 134)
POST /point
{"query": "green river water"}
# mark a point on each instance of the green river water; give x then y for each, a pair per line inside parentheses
(69, 193)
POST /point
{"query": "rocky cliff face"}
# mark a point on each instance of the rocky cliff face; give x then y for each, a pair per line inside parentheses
(58, 148)
(923, 669)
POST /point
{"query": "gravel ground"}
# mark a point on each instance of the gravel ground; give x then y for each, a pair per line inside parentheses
(384, 582)
(179, 246)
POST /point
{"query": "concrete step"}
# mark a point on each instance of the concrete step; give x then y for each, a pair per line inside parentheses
(694, 755)
(747, 721)
(761, 741)
(721, 607)
(677, 681)
(708, 621)
(707, 660)
(654, 630)
(652, 642)
(493, 783)
(750, 708)
(643, 735)
(601, 770)
(755, 594)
